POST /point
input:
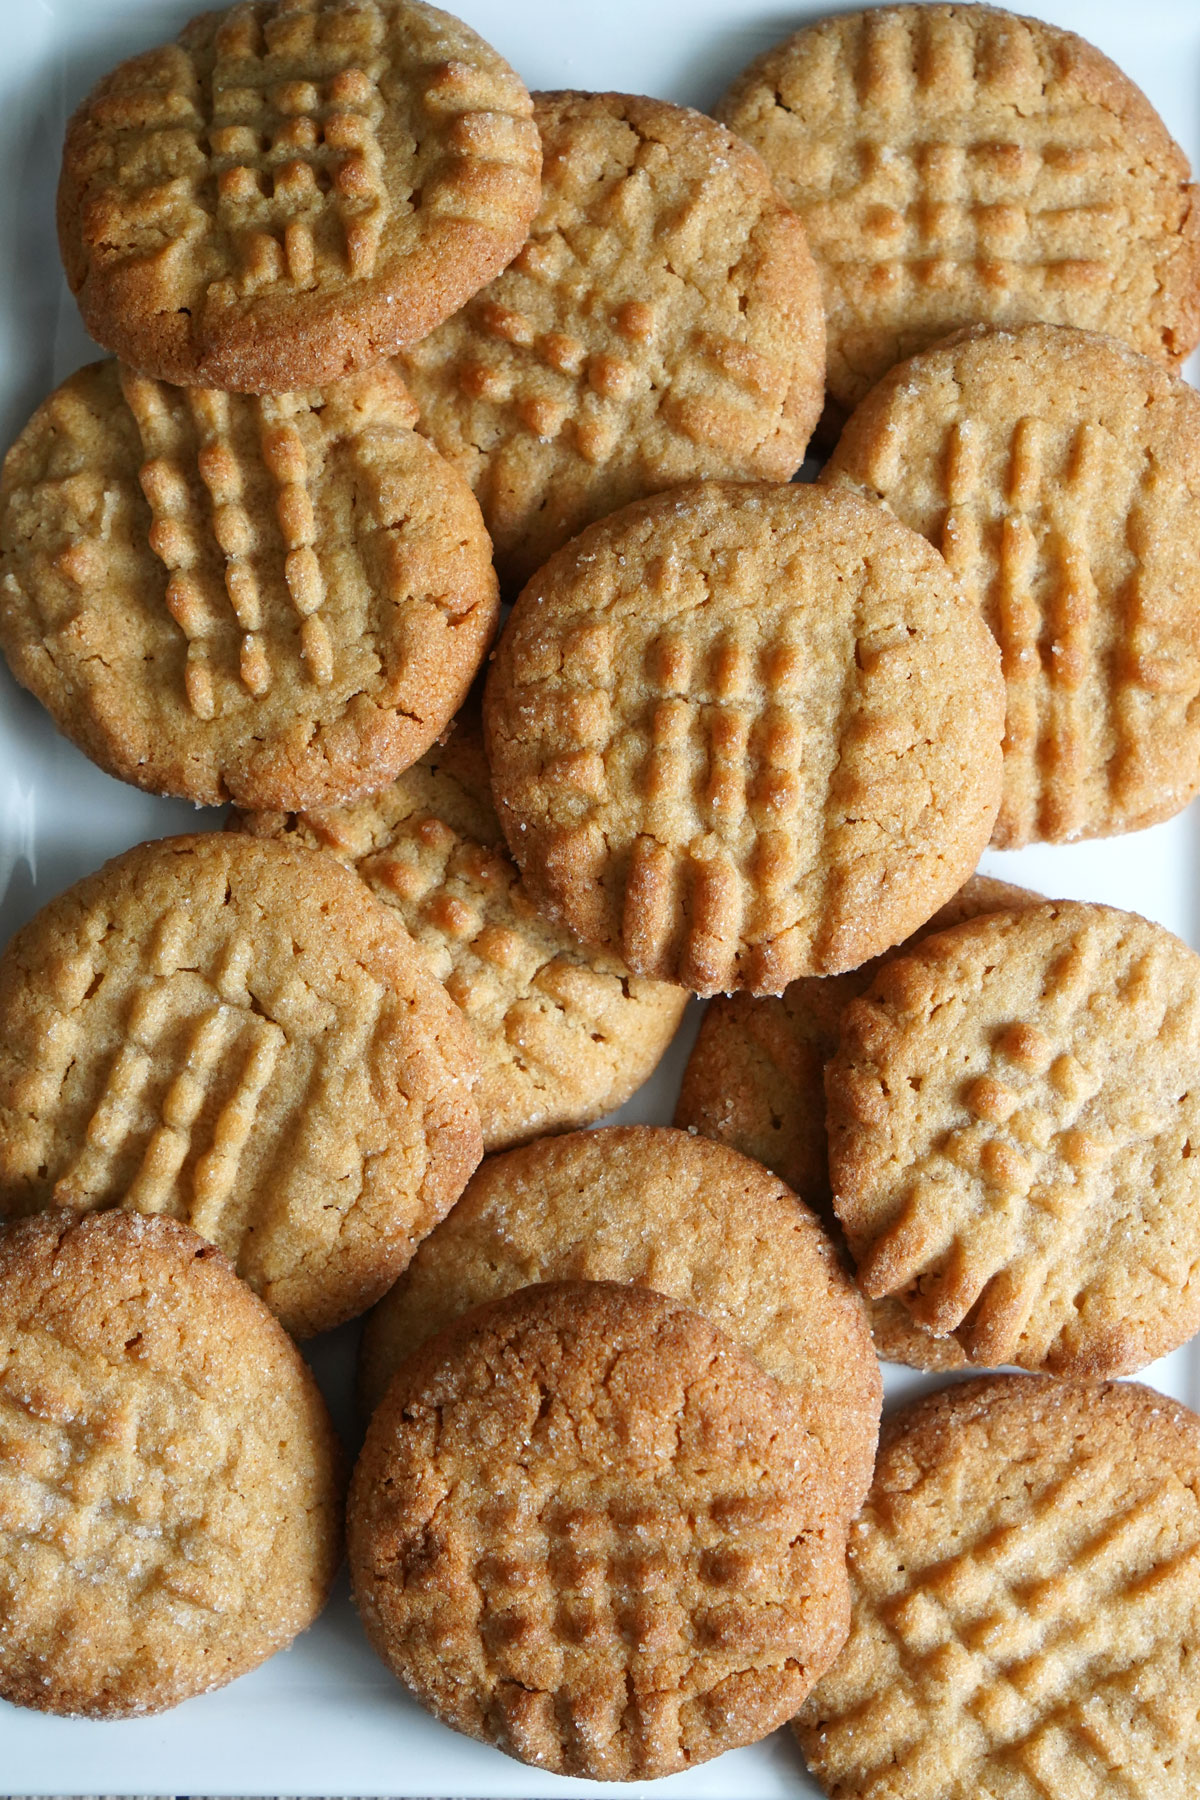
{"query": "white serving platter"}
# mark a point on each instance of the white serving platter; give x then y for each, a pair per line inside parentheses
(325, 1717)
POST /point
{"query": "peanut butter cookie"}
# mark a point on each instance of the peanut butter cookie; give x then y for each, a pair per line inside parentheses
(237, 1034)
(741, 733)
(293, 190)
(279, 601)
(663, 322)
(170, 1485)
(959, 164)
(587, 1528)
(1014, 1111)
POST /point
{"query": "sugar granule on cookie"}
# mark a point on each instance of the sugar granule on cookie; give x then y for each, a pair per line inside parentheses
(564, 1032)
(959, 164)
(1026, 1602)
(170, 1483)
(236, 1034)
(1058, 472)
(663, 322)
(587, 1528)
(280, 601)
(742, 732)
(292, 190)
(1013, 1112)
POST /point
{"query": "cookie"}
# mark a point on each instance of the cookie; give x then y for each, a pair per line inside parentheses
(958, 164)
(1014, 1109)
(291, 191)
(741, 733)
(237, 1034)
(279, 601)
(756, 1081)
(587, 1528)
(563, 1033)
(663, 322)
(1058, 472)
(674, 1213)
(1026, 1606)
(170, 1485)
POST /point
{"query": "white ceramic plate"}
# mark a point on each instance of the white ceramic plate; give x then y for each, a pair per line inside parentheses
(325, 1717)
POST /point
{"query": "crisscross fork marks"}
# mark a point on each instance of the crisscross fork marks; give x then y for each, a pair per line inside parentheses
(1005, 1649)
(196, 428)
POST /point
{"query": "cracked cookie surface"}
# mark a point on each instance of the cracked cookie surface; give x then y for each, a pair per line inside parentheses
(959, 164)
(1014, 1110)
(1026, 1605)
(291, 191)
(564, 1033)
(663, 322)
(756, 1081)
(1058, 472)
(238, 1035)
(587, 1528)
(742, 732)
(170, 1484)
(671, 1212)
(280, 601)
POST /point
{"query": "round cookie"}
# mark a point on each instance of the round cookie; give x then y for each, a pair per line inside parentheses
(280, 601)
(563, 1033)
(663, 322)
(960, 164)
(1013, 1111)
(1058, 472)
(291, 191)
(1026, 1611)
(678, 1214)
(587, 1528)
(756, 1081)
(170, 1484)
(741, 733)
(237, 1034)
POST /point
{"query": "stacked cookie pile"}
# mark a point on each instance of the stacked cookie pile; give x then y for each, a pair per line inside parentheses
(392, 334)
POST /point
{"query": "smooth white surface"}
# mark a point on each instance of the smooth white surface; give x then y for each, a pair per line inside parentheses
(325, 1717)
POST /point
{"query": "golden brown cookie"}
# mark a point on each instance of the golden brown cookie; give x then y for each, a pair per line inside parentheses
(170, 1485)
(587, 1528)
(291, 191)
(564, 1033)
(756, 1080)
(663, 322)
(958, 164)
(237, 1034)
(1014, 1111)
(674, 1213)
(741, 733)
(1058, 472)
(1026, 1602)
(280, 601)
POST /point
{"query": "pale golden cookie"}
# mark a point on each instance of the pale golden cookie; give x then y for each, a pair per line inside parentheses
(170, 1484)
(1026, 1594)
(280, 601)
(237, 1034)
(741, 733)
(756, 1080)
(958, 164)
(1058, 472)
(291, 191)
(663, 322)
(586, 1528)
(1014, 1110)
(564, 1033)
(675, 1213)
